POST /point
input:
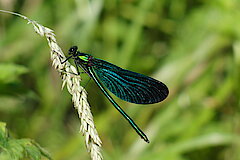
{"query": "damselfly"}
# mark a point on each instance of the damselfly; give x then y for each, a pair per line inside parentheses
(127, 85)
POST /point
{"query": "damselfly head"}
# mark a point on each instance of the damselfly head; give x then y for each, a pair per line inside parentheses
(73, 50)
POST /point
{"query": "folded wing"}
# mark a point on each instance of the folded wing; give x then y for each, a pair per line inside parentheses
(129, 86)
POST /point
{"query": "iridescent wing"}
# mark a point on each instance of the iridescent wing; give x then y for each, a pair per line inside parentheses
(129, 86)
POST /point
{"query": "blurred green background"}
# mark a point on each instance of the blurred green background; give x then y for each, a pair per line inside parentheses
(193, 46)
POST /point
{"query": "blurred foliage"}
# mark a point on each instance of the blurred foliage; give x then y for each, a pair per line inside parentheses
(192, 46)
(15, 149)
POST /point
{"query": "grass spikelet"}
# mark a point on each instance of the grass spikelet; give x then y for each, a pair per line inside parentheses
(79, 95)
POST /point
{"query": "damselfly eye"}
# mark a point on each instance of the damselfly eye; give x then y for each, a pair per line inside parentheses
(72, 50)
